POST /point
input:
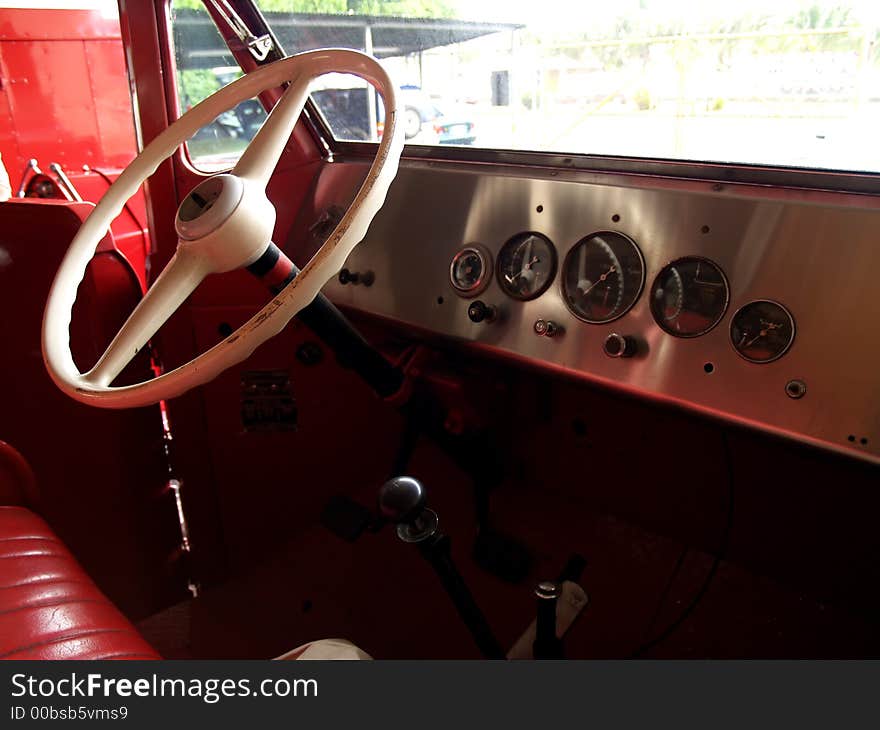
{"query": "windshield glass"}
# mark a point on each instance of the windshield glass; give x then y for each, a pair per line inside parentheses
(791, 83)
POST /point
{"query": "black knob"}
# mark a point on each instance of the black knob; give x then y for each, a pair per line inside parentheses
(617, 345)
(402, 500)
(355, 277)
(480, 312)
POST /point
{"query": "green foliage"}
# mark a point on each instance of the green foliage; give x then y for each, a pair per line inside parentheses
(642, 98)
(814, 17)
(196, 84)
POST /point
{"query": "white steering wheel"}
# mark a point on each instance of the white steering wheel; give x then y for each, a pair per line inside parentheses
(225, 223)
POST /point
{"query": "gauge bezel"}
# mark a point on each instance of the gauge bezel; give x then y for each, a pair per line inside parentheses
(485, 277)
(790, 339)
(718, 319)
(625, 310)
(554, 269)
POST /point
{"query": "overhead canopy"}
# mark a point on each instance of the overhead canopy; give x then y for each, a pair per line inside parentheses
(199, 45)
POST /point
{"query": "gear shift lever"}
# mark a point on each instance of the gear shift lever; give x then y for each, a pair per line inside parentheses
(403, 501)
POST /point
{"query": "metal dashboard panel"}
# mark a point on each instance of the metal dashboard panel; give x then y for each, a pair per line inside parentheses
(817, 253)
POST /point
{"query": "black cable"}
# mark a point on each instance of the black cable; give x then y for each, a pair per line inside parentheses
(707, 582)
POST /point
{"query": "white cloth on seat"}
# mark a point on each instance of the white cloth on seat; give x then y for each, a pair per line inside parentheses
(326, 649)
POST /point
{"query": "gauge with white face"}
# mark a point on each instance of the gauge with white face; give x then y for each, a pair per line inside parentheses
(602, 277)
(470, 270)
(526, 266)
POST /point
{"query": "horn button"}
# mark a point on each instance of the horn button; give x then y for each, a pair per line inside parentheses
(208, 206)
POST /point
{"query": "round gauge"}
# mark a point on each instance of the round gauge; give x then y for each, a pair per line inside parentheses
(689, 297)
(526, 265)
(602, 277)
(470, 270)
(762, 331)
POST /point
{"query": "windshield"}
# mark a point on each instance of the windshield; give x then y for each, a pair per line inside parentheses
(794, 83)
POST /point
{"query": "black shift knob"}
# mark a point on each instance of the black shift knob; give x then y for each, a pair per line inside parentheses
(402, 500)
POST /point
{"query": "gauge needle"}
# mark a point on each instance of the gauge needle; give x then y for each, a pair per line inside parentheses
(599, 281)
(767, 327)
(526, 269)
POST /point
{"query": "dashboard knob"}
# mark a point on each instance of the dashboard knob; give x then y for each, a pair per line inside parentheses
(617, 345)
(480, 312)
(355, 277)
(546, 328)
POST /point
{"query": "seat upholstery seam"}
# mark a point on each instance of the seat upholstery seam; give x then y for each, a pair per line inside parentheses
(35, 555)
(45, 582)
(69, 637)
(55, 604)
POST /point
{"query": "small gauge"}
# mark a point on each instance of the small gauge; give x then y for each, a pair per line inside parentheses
(602, 277)
(470, 270)
(689, 297)
(762, 331)
(526, 266)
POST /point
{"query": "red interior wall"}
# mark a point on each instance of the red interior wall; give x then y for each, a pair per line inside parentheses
(64, 94)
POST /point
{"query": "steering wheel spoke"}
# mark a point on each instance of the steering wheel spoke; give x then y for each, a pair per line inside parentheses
(184, 272)
(259, 159)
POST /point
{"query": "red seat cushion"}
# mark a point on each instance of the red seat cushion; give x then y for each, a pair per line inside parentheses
(49, 607)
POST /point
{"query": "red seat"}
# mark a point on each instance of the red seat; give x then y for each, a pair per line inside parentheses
(49, 607)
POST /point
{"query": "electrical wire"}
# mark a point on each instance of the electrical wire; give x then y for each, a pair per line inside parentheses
(710, 575)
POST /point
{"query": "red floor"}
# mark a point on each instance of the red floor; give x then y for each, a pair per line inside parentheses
(380, 594)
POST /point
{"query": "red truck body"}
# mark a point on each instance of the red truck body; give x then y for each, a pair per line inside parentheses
(64, 98)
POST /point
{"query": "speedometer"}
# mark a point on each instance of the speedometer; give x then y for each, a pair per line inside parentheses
(603, 276)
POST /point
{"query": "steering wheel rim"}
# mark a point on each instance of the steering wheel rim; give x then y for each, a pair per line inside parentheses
(230, 232)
